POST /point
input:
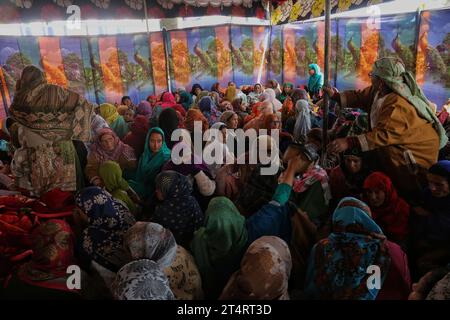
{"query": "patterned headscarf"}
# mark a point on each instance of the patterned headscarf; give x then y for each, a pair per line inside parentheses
(141, 280)
(53, 243)
(264, 273)
(184, 277)
(108, 221)
(337, 267)
(393, 73)
(179, 211)
(120, 148)
(109, 113)
(147, 240)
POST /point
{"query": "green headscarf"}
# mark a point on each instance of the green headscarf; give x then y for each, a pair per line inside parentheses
(219, 245)
(284, 95)
(111, 175)
(149, 166)
(315, 82)
(393, 73)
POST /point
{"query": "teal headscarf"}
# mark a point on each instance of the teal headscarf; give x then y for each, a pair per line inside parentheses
(393, 73)
(149, 166)
(315, 82)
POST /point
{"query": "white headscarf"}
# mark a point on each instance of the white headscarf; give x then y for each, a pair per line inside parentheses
(303, 119)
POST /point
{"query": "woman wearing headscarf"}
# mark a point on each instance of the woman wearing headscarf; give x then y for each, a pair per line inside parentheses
(288, 113)
(152, 99)
(195, 115)
(431, 222)
(303, 120)
(253, 96)
(185, 99)
(338, 265)
(115, 121)
(168, 121)
(106, 220)
(273, 122)
(141, 280)
(217, 148)
(168, 101)
(347, 179)
(264, 272)
(273, 84)
(315, 81)
(230, 119)
(219, 245)
(136, 137)
(48, 118)
(389, 210)
(195, 91)
(209, 110)
(216, 88)
(193, 167)
(111, 175)
(177, 210)
(45, 275)
(108, 147)
(147, 240)
(271, 97)
(156, 153)
(286, 92)
(264, 109)
(144, 108)
(230, 93)
(404, 134)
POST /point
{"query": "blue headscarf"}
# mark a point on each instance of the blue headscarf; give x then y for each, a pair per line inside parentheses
(315, 82)
(271, 220)
(108, 221)
(149, 166)
(209, 110)
(338, 265)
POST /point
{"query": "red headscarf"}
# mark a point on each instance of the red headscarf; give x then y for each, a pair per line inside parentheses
(168, 101)
(136, 137)
(195, 115)
(393, 215)
(53, 244)
(55, 203)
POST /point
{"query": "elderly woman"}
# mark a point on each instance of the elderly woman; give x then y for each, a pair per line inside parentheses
(48, 119)
(404, 134)
(108, 147)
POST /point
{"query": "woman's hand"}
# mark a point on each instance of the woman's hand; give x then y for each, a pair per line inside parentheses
(338, 145)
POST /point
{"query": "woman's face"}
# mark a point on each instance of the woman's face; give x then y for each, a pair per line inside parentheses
(107, 142)
(197, 91)
(155, 142)
(375, 197)
(127, 102)
(287, 89)
(353, 164)
(312, 72)
(128, 116)
(233, 122)
(275, 123)
(258, 88)
(438, 185)
(177, 97)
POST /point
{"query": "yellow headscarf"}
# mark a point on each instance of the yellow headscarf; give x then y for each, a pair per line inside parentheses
(109, 113)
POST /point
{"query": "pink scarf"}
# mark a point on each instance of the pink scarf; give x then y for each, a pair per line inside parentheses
(120, 148)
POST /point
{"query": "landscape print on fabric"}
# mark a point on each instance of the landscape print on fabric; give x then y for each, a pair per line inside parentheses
(242, 54)
(433, 56)
(276, 54)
